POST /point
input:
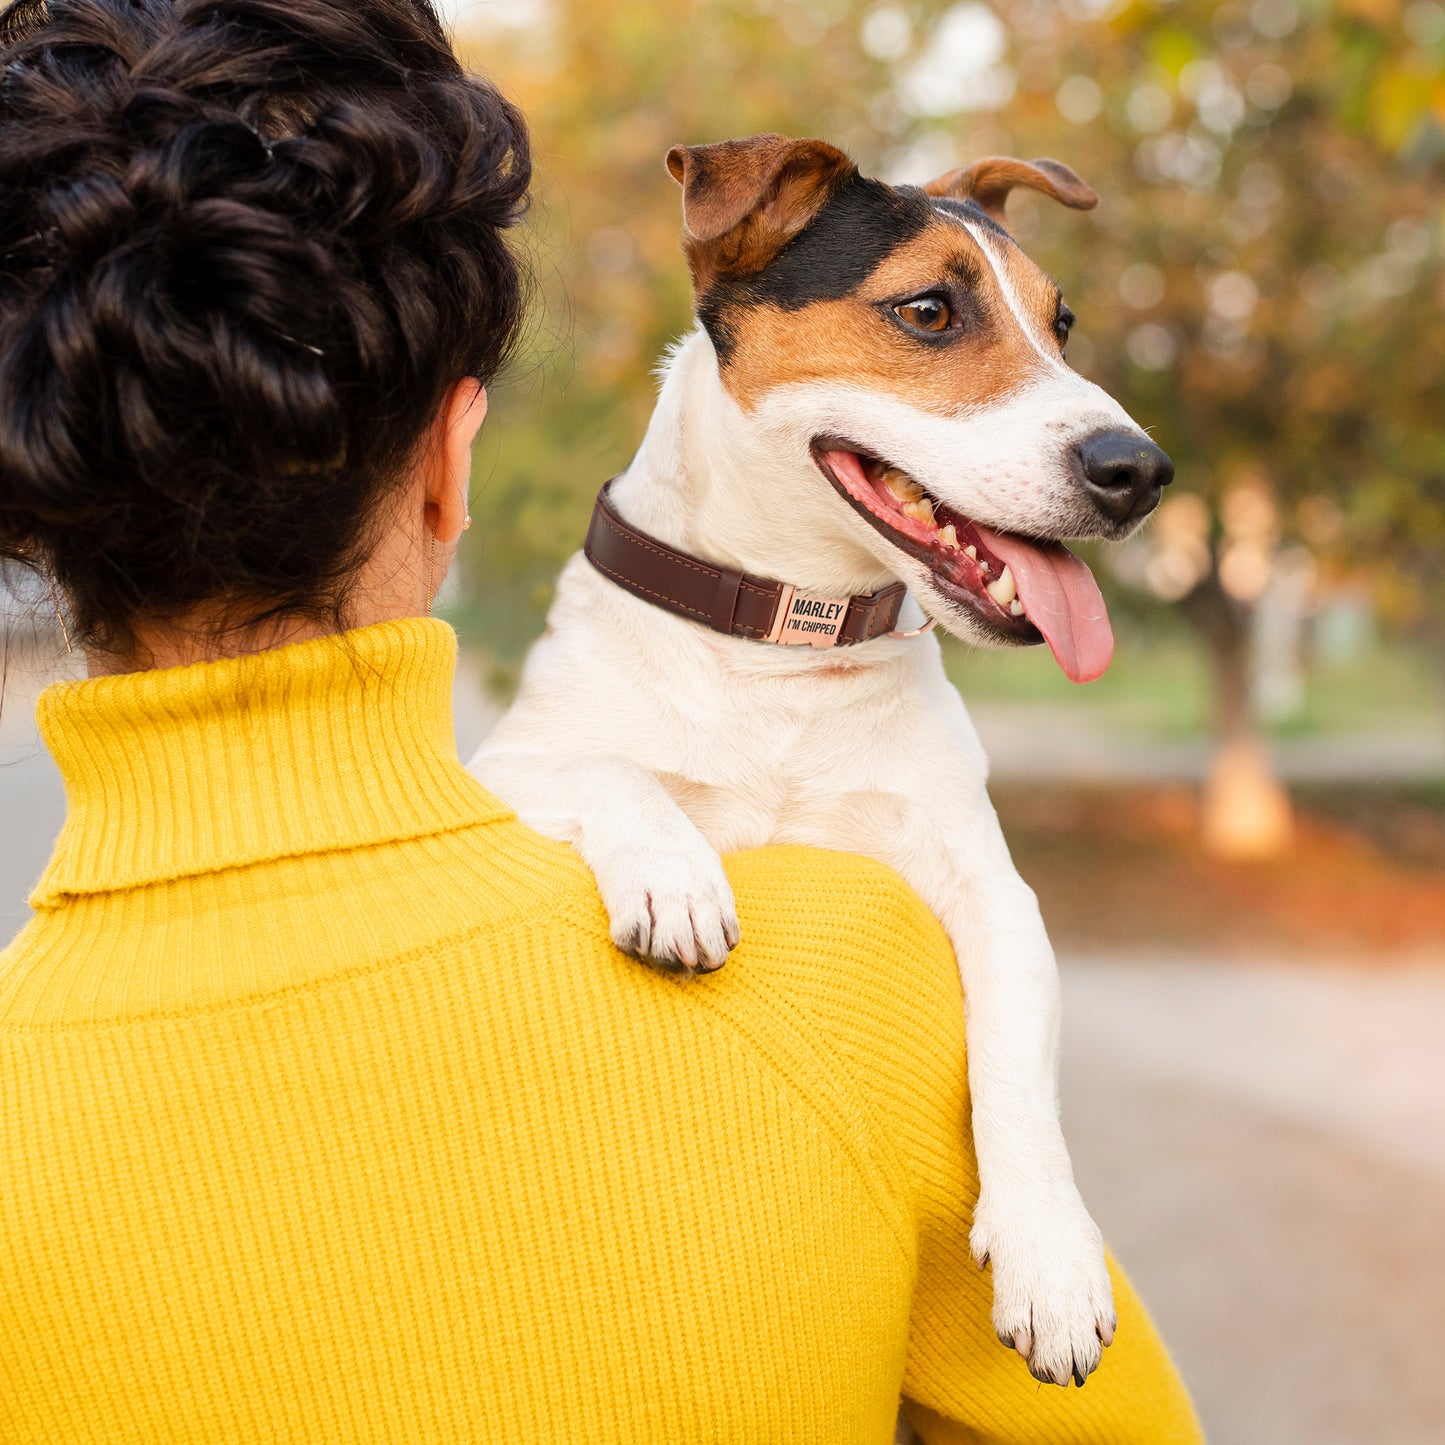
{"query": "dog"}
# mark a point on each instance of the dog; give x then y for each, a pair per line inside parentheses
(875, 399)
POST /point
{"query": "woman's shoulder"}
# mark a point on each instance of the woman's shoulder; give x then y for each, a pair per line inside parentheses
(813, 907)
(843, 981)
(845, 916)
(837, 938)
(844, 946)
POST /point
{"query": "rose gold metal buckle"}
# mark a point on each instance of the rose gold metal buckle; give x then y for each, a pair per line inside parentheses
(802, 618)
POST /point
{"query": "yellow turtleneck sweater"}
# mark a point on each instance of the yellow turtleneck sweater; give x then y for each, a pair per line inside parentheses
(329, 1114)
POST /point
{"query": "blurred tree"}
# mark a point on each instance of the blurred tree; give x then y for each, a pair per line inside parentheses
(1262, 284)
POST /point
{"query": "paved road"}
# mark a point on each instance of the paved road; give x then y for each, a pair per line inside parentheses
(1047, 744)
(32, 801)
(1264, 1145)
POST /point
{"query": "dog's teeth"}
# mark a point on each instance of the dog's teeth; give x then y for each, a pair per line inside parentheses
(948, 535)
(971, 552)
(1016, 608)
(920, 511)
(903, 487)
(1003, 590)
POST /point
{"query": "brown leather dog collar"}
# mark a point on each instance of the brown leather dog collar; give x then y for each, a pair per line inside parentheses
(731, 601)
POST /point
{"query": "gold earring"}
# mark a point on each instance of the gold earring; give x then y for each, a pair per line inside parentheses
(431, 552)
(466, 521)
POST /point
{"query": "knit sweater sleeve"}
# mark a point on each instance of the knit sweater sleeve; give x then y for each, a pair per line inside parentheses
(888, 999)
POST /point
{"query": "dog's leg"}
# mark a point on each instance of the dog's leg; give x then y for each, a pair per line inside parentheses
(1053, 1301)
(668, 900)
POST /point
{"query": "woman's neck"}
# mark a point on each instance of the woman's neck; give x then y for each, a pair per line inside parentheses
(402, 573)
(201, 639)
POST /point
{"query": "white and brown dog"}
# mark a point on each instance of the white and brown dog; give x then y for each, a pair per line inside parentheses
(876, 397)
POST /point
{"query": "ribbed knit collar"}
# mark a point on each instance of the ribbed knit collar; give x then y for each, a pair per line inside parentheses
(339, 742)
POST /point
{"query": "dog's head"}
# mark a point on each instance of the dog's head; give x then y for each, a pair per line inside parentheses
(901, 338)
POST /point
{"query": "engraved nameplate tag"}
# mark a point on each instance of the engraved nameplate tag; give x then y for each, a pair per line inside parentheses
(802, 618)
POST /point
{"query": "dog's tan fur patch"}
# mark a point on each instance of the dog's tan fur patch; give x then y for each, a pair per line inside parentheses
(852, 340)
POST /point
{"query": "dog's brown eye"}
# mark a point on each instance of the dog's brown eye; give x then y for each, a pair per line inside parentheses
(928, 313)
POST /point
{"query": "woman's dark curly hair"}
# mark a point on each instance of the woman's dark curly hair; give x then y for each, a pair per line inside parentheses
(246, 248)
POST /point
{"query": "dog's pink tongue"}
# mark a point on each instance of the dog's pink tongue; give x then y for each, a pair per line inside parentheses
(1062, 600)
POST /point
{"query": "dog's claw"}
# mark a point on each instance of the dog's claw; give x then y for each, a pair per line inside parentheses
(671, 907)
(1053, 1302)
(682, 952)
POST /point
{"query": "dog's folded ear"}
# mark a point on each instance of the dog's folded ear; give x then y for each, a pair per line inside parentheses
(990, 180)
(743, 200)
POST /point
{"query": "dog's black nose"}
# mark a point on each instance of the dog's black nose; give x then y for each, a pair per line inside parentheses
(1123, 473)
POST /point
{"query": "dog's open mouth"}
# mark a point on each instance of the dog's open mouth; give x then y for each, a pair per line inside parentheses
(1024, 589)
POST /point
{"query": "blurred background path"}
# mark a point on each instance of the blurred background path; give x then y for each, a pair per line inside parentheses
(1258, 1126)
(1263, 1145)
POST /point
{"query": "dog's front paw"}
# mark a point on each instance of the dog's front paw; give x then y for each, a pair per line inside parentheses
(1052, 1298)
(670, 904)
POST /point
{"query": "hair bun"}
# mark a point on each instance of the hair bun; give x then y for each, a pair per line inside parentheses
(244, 250)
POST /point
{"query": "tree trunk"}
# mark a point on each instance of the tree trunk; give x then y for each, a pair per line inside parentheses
(1246, 811)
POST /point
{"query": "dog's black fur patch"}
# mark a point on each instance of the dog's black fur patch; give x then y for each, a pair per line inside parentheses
(860, 225)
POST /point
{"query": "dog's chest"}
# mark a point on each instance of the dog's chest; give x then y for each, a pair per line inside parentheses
(820, 778)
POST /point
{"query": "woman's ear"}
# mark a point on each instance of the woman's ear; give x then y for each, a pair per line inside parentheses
(458, 423)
